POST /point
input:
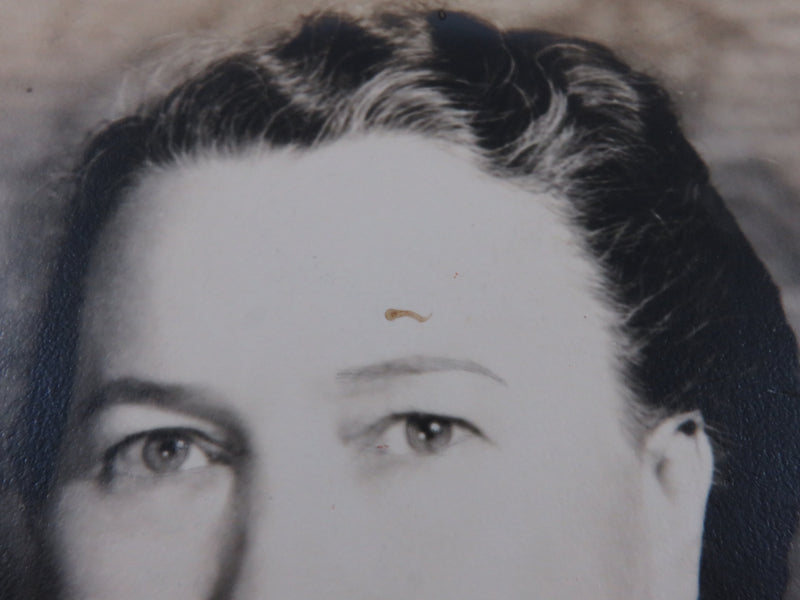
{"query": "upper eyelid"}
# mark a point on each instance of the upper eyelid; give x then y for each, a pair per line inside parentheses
(381, 425)
(194, 434)
(199, 409)
(207, 435)
(202, 439)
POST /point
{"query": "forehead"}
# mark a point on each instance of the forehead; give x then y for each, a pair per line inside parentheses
(294, 254)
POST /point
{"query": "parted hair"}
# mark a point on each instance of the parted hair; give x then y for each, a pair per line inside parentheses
(698, 318)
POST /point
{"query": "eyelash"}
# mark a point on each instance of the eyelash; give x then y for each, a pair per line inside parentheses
(183, 442)
(425, 433)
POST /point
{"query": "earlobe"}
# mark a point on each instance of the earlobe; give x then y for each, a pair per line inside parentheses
(678, 470)
(678, 454)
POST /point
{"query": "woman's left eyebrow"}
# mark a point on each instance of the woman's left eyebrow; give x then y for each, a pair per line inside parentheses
(416, 365)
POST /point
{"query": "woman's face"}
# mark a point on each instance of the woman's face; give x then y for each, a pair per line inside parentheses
(247, 412)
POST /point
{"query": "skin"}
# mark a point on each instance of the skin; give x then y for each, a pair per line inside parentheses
(241, 300)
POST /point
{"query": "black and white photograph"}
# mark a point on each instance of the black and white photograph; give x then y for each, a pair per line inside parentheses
(369, 301)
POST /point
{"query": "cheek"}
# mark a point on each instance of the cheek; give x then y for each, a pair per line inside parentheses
(482, 522)
(162, 539)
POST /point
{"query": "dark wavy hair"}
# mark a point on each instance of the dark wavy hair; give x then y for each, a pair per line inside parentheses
(699, 318)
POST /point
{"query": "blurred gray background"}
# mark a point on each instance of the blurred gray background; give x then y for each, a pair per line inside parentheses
(733, 68)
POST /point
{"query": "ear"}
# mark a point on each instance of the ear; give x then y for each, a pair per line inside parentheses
(678, 469)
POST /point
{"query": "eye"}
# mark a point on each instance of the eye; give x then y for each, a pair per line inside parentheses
(420, 433)
(162, 452)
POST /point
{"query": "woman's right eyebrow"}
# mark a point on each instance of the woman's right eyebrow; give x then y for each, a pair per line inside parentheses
(130, 390)
(188, 400)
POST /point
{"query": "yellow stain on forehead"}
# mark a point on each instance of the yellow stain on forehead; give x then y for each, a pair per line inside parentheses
(393, 313)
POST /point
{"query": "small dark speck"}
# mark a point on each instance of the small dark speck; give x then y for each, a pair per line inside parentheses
(442, 15)
(29, 90)
(688, 427)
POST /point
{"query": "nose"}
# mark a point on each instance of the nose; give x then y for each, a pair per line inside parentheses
(300, 524)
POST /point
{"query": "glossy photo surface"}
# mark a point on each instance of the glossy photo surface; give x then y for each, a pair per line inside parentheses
(401, 305)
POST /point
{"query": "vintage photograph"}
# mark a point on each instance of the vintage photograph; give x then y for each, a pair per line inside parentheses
(389, 301)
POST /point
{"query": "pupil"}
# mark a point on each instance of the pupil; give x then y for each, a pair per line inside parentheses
(427, 434)
(165, 454)
(168, 448)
